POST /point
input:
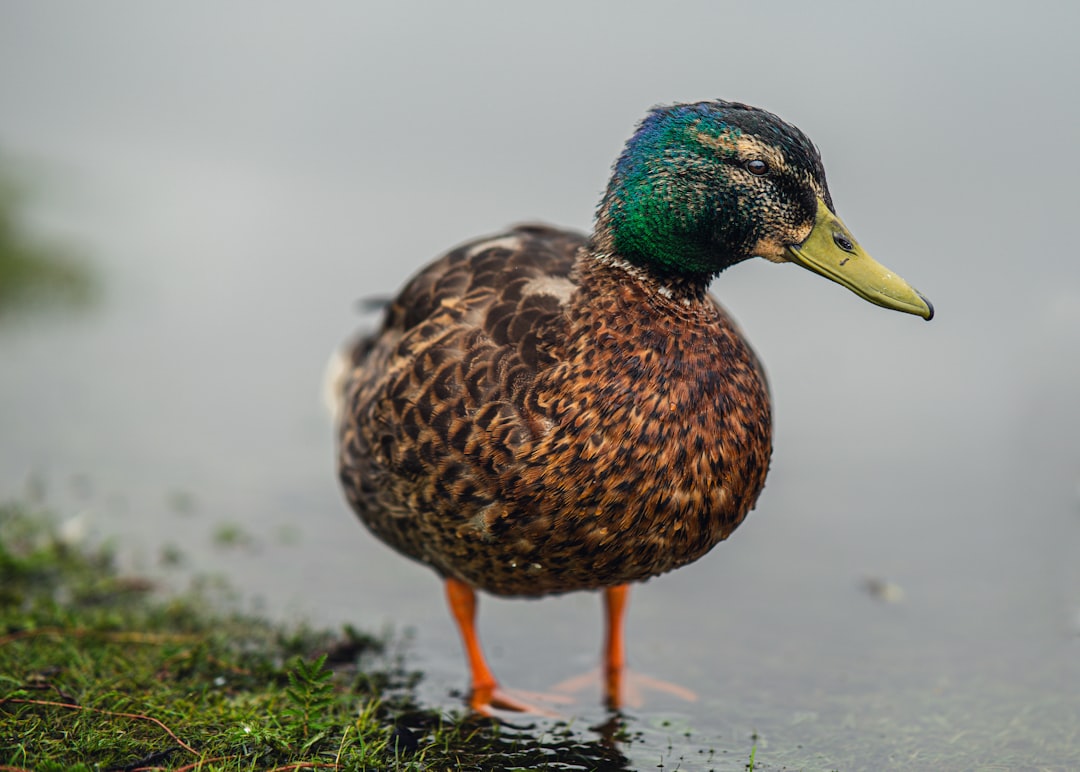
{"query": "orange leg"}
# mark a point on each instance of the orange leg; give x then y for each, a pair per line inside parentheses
(485, 693)
(615, 599)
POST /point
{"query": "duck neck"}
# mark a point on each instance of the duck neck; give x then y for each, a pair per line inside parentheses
(650, 269)
(603, 268)
(603, 264)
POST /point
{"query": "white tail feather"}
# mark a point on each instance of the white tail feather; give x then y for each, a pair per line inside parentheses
(337, 370)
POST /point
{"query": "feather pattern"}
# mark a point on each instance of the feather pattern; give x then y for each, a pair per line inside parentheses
(535, 417)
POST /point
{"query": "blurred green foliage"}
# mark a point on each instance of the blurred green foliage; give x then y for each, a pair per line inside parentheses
(34, 271)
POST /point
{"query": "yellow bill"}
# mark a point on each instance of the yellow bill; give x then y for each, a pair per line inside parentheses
(831, 250)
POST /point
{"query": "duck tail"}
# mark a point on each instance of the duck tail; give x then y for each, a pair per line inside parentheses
(346, 357)
(333, 386)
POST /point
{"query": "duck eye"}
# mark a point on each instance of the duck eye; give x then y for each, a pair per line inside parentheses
(757, 167)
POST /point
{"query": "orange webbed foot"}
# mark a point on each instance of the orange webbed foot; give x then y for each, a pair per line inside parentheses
(486, 696)
(485, 700)
(625, 688)
(621, 687)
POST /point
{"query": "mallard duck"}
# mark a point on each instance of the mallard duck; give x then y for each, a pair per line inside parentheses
(542, 412)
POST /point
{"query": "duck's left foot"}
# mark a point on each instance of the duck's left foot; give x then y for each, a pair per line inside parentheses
(487, 700)
(623, 688)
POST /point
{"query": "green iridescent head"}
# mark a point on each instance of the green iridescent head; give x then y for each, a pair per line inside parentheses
(702, 186)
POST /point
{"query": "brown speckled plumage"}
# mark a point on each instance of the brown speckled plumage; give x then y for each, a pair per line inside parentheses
(534, 418)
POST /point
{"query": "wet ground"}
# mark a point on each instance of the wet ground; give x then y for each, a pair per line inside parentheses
(907, 593)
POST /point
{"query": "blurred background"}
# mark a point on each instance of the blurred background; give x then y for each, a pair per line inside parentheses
(195, 196)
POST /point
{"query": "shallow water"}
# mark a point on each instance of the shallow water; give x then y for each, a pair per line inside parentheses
(236, 202)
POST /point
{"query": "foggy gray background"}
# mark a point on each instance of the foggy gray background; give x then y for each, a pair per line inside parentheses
(241, 174)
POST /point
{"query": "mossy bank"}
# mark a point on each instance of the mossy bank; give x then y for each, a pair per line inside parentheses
(98, 673)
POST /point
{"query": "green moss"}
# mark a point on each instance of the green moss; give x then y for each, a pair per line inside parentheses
(96, 673)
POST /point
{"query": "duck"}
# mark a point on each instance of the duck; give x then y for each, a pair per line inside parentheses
(543, 411)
